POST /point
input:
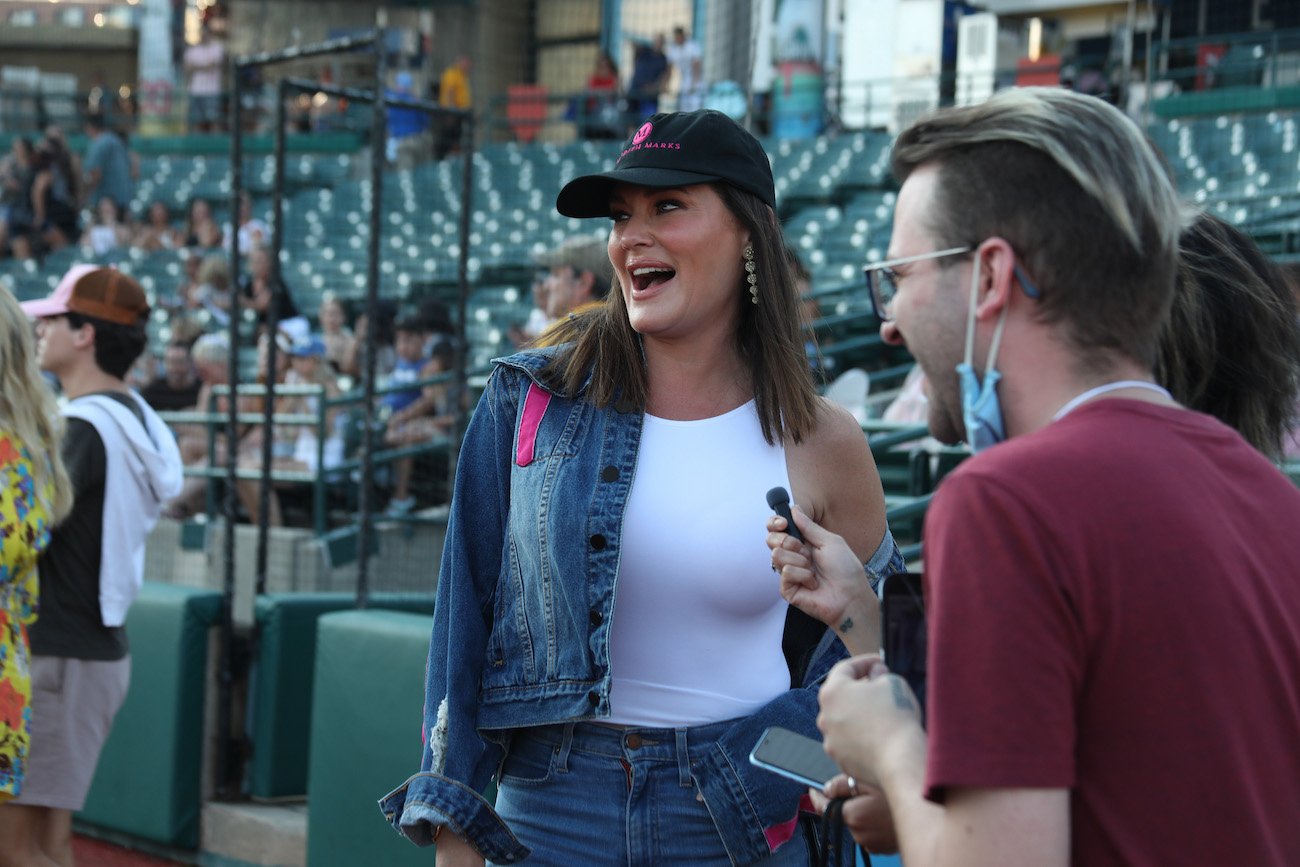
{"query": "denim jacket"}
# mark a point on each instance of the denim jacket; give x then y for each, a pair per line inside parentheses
(521, 622)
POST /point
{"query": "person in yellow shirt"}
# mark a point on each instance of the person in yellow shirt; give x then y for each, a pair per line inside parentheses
(453, 92)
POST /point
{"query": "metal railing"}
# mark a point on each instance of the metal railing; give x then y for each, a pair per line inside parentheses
(323, 478)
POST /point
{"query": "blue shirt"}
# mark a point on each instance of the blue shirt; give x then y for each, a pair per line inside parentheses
(108, 154)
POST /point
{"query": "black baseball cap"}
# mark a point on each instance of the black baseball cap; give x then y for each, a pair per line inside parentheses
(677, 149)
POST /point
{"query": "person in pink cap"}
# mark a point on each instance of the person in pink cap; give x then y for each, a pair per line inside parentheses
(124, 465)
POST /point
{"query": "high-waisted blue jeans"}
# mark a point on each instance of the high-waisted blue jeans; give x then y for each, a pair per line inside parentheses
(587, 794)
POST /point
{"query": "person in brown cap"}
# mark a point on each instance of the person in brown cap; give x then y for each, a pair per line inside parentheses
(123, 465)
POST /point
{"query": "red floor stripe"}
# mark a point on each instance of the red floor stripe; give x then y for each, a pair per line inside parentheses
(96, 853)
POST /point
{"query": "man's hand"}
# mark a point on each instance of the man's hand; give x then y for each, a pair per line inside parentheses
(822, 577)
(454, 851)
(868, 718)
(866, 813)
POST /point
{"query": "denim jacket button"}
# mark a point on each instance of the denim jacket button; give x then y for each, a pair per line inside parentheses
(593, 697)
(596, 617)
(598, 542)
(609, 474)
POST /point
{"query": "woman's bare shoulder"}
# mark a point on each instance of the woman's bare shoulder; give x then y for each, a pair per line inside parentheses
(837, 434)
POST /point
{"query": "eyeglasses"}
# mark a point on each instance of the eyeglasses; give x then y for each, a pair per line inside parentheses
(882, 279)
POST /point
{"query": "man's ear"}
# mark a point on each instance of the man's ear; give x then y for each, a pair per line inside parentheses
(84, 337)
(997, 261)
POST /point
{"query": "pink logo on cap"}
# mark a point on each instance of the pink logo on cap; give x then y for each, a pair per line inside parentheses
(644, 131)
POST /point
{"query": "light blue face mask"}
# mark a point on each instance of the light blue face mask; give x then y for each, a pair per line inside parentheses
(981, 410)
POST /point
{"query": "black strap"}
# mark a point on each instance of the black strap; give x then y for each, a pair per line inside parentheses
(832, 838)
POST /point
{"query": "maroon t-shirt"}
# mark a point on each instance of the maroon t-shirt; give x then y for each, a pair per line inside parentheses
(1114, 608)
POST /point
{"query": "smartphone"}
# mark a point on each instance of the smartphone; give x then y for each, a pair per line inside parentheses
(903, 629)
(795, 756)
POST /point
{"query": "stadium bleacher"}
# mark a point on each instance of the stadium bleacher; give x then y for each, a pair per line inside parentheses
(835, 196)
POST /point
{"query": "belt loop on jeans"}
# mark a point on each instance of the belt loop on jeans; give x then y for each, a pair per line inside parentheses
(683, 760)
(566, 743)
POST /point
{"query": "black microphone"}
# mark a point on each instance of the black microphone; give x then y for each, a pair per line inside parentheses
(779, 501)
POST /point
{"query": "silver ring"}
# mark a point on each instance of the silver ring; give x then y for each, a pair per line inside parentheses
(853, 787)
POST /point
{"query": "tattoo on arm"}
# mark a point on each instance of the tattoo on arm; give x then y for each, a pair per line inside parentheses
(902, 700)
(846, 625)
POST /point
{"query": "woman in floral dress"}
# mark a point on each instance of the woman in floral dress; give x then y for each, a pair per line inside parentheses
(34, 495)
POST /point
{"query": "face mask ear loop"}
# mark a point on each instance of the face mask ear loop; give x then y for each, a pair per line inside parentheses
(970, 324)
(970, 313)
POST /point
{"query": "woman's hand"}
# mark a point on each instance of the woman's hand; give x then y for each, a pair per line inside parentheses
(454, 851)
(824, 578)
(866, 813)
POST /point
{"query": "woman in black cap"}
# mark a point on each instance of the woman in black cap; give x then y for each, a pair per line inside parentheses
(608, 632)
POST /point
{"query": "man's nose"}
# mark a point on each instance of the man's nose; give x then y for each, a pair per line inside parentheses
(890, 334)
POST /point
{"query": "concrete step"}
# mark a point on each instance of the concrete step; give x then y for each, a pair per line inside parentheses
(265, 835)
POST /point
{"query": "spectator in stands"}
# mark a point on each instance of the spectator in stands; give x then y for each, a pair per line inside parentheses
(123, 465)
(253, 231)
(1231, 346)
(209, 238)
(107, 169)
(684, 55)
(212, 293)
(601, 116)
(108, 232)
(385, 353)
(200, 226)
(156, 232)
(144, 371)
(431, 414)
(649, 77)
(16, 174)
(55, 217)
(453, 92)
(651, 432)
(211, 359)
(205, 66)
(298, 448)
(407, 127)
(411, 359)
(249, 439)
(339, 340)
(191, 261)
(1076, 710)
(579, 278)
(68, 161)
(178, 387)
(524, 334)
(35, 494)
(257, 287)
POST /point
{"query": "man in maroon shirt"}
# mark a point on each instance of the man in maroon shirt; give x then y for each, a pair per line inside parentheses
(1112, 581)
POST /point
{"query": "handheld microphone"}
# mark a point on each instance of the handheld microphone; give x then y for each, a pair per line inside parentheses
(779, 501)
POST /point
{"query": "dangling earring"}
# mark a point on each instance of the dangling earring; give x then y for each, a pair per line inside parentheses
(750, 276)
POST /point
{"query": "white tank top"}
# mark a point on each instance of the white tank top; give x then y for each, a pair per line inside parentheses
(698, 613)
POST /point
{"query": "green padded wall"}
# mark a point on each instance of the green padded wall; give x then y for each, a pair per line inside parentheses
(281, 699)
(147, 783)
(366, 715)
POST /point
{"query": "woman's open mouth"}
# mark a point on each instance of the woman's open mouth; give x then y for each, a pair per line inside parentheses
(649, 277)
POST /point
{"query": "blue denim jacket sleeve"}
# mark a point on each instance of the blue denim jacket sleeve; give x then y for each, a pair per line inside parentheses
(457, 763)
(751, 806)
